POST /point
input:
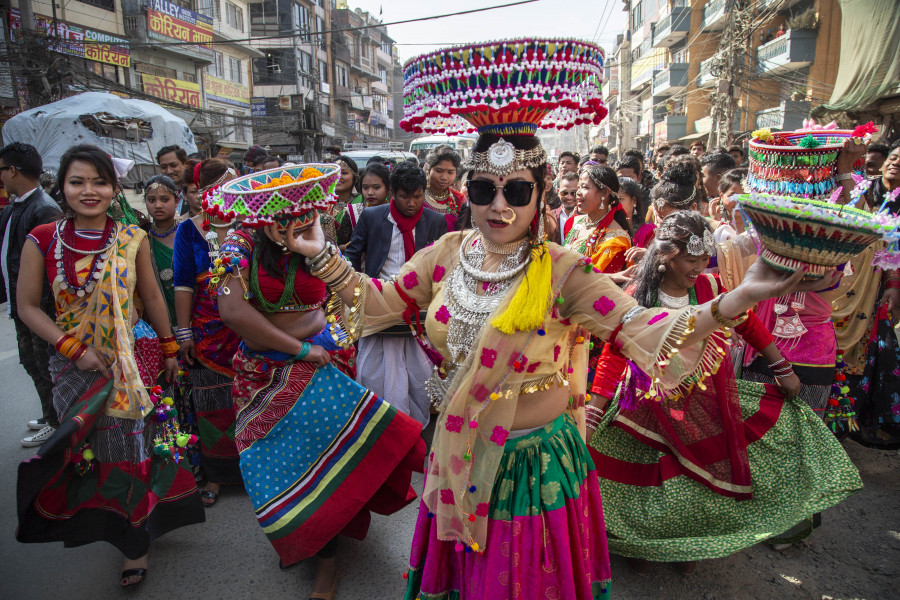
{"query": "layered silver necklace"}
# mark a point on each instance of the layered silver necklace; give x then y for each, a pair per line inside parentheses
(673, 301)
(469, 309)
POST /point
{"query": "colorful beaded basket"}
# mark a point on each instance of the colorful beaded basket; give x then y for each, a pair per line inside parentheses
(286, 192)
(506, 87)
(800, 163)
(818, 236)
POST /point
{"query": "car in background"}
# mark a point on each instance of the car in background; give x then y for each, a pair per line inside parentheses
(463, 144)
(392, 153)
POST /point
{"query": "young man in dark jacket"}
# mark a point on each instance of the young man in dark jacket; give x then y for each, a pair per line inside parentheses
(391, 363)
(20, 171)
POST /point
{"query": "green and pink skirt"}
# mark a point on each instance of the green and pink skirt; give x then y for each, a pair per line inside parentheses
(657, 513)
(546, 534)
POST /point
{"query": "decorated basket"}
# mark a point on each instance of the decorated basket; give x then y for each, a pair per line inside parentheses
(504, 87)
(287, 192)
(800, 163)
(818, 236)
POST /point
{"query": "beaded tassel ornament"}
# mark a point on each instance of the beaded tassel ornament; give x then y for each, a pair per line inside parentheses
(840, 414)
(169, 442)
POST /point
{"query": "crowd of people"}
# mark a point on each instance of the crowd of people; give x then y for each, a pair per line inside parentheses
(541, 305)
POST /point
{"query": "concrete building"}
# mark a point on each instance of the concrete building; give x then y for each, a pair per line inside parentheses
(786, 64)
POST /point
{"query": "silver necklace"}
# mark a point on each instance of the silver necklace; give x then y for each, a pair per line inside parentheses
(673, 301)
(469, 309)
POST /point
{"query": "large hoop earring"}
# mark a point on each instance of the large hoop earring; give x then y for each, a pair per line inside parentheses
(508, 220)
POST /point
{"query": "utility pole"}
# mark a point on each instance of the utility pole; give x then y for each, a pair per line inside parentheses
(732, 67)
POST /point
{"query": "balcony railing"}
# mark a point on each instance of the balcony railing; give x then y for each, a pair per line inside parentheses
(671, 80)
(673, 27)
(707, 79)
(714, 16)
(793, 50)
(788, 115)
(644, 78)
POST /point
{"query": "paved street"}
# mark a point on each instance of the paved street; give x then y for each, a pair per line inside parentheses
(853, 555)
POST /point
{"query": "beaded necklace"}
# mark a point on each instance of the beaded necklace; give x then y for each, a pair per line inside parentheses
(663, 300)
(442, 204)
(289, 274)
(162, 234)
(65, 237)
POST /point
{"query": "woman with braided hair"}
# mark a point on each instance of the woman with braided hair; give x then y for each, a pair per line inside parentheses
(719, 464)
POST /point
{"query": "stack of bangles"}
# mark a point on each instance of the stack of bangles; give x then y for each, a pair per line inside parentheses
(781, 368)
(892, 281)
(305, 347)
(330, 267)
(184, 334)
(70, 347)
(169, 346)
(593, 415)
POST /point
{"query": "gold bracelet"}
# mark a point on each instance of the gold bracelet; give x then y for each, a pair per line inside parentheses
(337, 274)
(721, 320)
(336, 288)
(327, 268)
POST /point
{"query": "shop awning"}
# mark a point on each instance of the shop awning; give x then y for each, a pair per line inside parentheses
(693, 136)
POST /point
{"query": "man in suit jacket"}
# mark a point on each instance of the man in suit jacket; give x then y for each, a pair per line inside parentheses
(391, 363)
(20, 172)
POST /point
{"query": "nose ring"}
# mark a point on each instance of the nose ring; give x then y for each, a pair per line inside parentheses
(508, 220)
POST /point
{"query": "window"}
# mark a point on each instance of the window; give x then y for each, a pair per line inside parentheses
(189, 77)
(382, 75)
(240, 134)
(340, 75)
(109, 5)
(306, 62)
(217, 68)
(323, 71)
(299, 17)
(235, 71)
(636, 17)
(387, 47)
(234, 16)
(210, 8)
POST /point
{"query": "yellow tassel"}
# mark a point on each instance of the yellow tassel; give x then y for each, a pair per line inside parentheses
(527, 309)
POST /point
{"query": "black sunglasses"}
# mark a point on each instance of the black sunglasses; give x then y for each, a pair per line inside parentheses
(516, 193)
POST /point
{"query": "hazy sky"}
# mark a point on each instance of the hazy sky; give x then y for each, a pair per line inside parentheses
(544, 18)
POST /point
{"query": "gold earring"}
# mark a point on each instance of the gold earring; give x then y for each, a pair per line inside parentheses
(508, 220)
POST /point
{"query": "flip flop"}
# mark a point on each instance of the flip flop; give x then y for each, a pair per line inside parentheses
(210, 497)
(142, 573)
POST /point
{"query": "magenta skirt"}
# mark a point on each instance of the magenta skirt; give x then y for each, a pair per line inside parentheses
(546, 534)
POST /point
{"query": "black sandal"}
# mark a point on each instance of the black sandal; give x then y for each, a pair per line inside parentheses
(142, 573)
(211, 497)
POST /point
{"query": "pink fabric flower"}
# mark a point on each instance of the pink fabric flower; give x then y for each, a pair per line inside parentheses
(482, 509)
(438, 273)
(454, 423)
(556, 351)
(479, 392)
(533, 366)
(499, 435)
(377, 283)
(658, 318)
(447, 496)
(488, 357)
(604, 305)
(518, 362)
(442, 315)
(410, 280)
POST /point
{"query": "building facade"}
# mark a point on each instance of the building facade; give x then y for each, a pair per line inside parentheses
(768, 61)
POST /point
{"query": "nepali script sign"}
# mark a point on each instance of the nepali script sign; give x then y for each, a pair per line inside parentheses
(227, 92)
(84, 43)
(167, 22)
(173, 90)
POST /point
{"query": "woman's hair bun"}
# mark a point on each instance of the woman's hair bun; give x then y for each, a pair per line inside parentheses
(680, 173)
